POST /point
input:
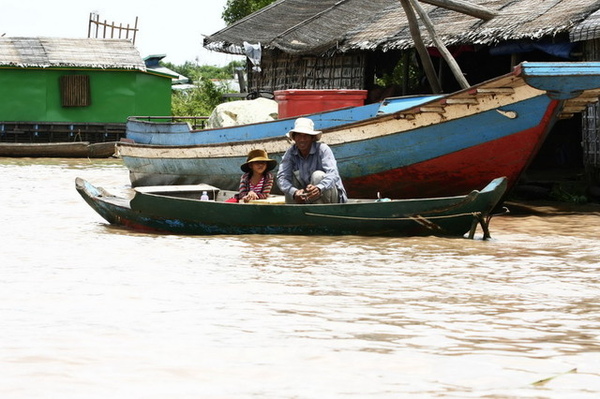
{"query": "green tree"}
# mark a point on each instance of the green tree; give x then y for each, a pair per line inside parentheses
(238, 9)
(197, 101)
(205, 95)
(194, 72)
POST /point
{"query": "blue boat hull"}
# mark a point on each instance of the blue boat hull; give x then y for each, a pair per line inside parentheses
(179, 133)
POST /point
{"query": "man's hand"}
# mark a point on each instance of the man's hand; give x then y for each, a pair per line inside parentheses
(300, 197)
(309, 194)
(312, 192)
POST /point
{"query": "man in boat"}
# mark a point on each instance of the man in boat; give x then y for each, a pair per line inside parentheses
(308, 172)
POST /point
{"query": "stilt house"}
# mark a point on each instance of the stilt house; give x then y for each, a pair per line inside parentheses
(57, 89)
(370, 45)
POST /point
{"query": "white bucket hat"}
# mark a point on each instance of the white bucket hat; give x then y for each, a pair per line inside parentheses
(306, 126)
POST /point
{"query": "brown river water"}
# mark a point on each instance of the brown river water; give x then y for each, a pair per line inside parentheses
(93, 311)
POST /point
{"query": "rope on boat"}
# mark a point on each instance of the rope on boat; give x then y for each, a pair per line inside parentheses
(478, 219)
(416, 217)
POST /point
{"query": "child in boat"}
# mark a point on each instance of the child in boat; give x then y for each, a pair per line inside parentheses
(257, 180)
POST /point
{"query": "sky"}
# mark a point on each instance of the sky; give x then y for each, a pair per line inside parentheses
(174, 28)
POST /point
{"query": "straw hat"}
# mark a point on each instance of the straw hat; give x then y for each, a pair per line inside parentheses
(256, 156)
(306, 126)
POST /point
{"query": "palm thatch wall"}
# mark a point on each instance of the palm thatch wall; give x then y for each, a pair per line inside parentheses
(284, 71)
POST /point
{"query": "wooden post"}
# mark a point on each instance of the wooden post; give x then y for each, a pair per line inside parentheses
(413, 24)
(514, 60)
(135, 29)
(240, 75)
(464, 7)
(405, 71)
(460, 78)
(90, 26)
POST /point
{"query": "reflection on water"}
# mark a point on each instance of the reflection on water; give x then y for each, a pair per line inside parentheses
(89, 310)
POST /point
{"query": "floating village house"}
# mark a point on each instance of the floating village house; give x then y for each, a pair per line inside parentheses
(153, 64)
(359, 45)
(63, 89)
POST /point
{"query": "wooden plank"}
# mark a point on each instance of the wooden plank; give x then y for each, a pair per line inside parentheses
(451, 101)
(464, 7)
(439, 110)
(565, 116)
(496, 90)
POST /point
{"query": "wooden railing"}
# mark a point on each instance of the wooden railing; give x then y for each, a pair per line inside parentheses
(53, 132)
(196, 122)
(110, 30)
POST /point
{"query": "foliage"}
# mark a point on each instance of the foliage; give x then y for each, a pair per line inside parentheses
(197, 101)
(194, 72)
(205, 95)
(396, 78)
(238, 9)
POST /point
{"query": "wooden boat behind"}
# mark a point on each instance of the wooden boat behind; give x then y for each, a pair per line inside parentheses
(156, 132)
(77, 149)
(179, 210)
(443, 147)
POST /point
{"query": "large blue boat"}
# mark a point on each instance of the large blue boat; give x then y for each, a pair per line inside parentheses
(443, 146)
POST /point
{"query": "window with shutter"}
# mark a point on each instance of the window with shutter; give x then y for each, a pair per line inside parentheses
(75, 90)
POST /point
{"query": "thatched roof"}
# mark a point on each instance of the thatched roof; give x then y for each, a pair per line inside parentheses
(588, 29)
(330, 26)
(46, 52)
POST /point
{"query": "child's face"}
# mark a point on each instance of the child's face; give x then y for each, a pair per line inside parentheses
(258, 167)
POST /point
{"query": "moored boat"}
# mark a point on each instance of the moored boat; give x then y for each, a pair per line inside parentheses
(442, 147)
(163, 131)
(179, 210)
(76, 149)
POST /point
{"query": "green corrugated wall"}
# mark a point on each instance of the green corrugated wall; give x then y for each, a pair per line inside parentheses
(34, 95)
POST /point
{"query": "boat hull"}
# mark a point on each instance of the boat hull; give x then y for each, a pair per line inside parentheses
(78, 149)
(447, 158)
(171, 213)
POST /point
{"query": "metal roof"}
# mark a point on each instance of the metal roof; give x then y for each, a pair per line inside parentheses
(329, 26)
(46, 52)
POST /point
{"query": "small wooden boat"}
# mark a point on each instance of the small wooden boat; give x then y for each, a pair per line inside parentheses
(179, 210)
(445, 146)
(76, 149)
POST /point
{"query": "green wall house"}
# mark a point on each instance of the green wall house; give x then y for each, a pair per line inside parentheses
(82, 85)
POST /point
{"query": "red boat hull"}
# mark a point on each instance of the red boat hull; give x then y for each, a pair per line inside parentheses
(458, 172)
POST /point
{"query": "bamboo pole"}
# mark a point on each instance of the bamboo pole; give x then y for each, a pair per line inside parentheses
(458, 75)
(464, 7)
(413, 24)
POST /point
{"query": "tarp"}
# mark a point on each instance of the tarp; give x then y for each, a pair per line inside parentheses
(562, 50)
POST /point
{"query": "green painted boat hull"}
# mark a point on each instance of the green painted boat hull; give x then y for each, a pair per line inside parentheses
(180, 211)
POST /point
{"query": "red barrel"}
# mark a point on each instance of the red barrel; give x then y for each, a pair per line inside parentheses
(296, 102)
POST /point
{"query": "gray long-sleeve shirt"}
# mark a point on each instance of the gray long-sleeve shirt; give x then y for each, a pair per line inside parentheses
(320, 158)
